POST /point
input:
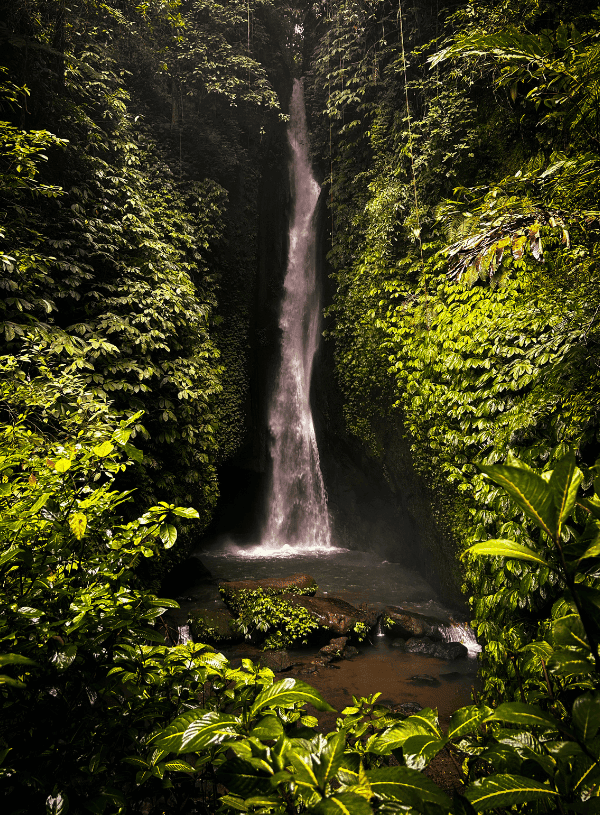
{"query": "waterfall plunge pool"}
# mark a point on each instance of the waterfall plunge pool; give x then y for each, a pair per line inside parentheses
(357, 577)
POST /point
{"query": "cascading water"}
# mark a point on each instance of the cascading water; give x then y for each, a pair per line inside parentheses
(297, 503)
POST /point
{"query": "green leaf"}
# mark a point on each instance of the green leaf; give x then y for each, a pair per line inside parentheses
(16, 659)
(505, 548)
(305, 771)
(564, 483)
(185, 512)
(104, 449)
(419, 750)
(234, 802)
(7, 556)
(62, 465)
(8, 680)
(40, 502)
(133, 453)
(168, 535)
(506, 790)
(269, 728)
(342, 803)
(330, 759)
(394, 737)
(569, 663)
(568, 632)
(196, 729)
(466, 720)
(528, 490)
(586, 715)
(179, 766)
(523, 714)
(242, 778)
(287, 693)
(263, 801)
(408, 786)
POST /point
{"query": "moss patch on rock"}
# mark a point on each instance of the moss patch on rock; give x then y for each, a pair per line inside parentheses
(213, 625)
(236, 592)
(263, 613)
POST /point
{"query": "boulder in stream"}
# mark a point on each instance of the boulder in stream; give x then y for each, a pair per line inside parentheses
(330, 613)
(441, 650)
(399, 622)
(277, 661)
(302, 584)
(335, 649)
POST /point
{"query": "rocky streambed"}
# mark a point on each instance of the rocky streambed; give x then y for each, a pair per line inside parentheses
(344, 650)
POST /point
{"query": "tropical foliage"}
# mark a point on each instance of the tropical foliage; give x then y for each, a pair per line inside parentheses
(461, 155)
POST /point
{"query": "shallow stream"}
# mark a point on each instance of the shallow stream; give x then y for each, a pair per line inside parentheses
(359, 577)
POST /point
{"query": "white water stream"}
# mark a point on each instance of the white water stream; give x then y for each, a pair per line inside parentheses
(297, 516)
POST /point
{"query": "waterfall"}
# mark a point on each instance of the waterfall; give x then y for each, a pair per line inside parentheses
(297, 502)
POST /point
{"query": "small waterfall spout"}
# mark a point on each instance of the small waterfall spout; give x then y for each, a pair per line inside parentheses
(297, 506)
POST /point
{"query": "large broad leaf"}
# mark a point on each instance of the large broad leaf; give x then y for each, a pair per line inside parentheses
(343, 803)
(330, 759)
(507, 790)
(427, 718)
(195, 730)
(524, 715)
(269, 728)
(570, 663)
(168, 535)
(15, 659)
(419, 750)
(305, 771)
(564, 482)
(408, 786)
(186, 512)
(5, 557)
(466, 720)
(383, 744)
(287, 693)
(242, 778)
(568, 632)
(499, 547)
(586, 715)
(528, 490)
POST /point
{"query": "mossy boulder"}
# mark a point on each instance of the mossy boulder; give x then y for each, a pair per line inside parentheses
(234, 592)
(213, 625)
(331, 613)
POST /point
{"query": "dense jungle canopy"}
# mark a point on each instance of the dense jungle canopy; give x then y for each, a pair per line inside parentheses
(459, 150)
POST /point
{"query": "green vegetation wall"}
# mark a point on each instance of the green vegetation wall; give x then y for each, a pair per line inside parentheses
(134, 137)
(461, 153)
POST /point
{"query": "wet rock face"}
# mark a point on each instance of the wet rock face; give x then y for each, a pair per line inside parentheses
(402, 623)
(335, 648)
(331, 613)
(276, 660)
(441, 650)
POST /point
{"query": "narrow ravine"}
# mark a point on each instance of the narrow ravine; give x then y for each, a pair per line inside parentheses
(297, 538)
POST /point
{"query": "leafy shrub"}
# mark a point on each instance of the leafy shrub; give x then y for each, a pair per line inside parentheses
(82, 685)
